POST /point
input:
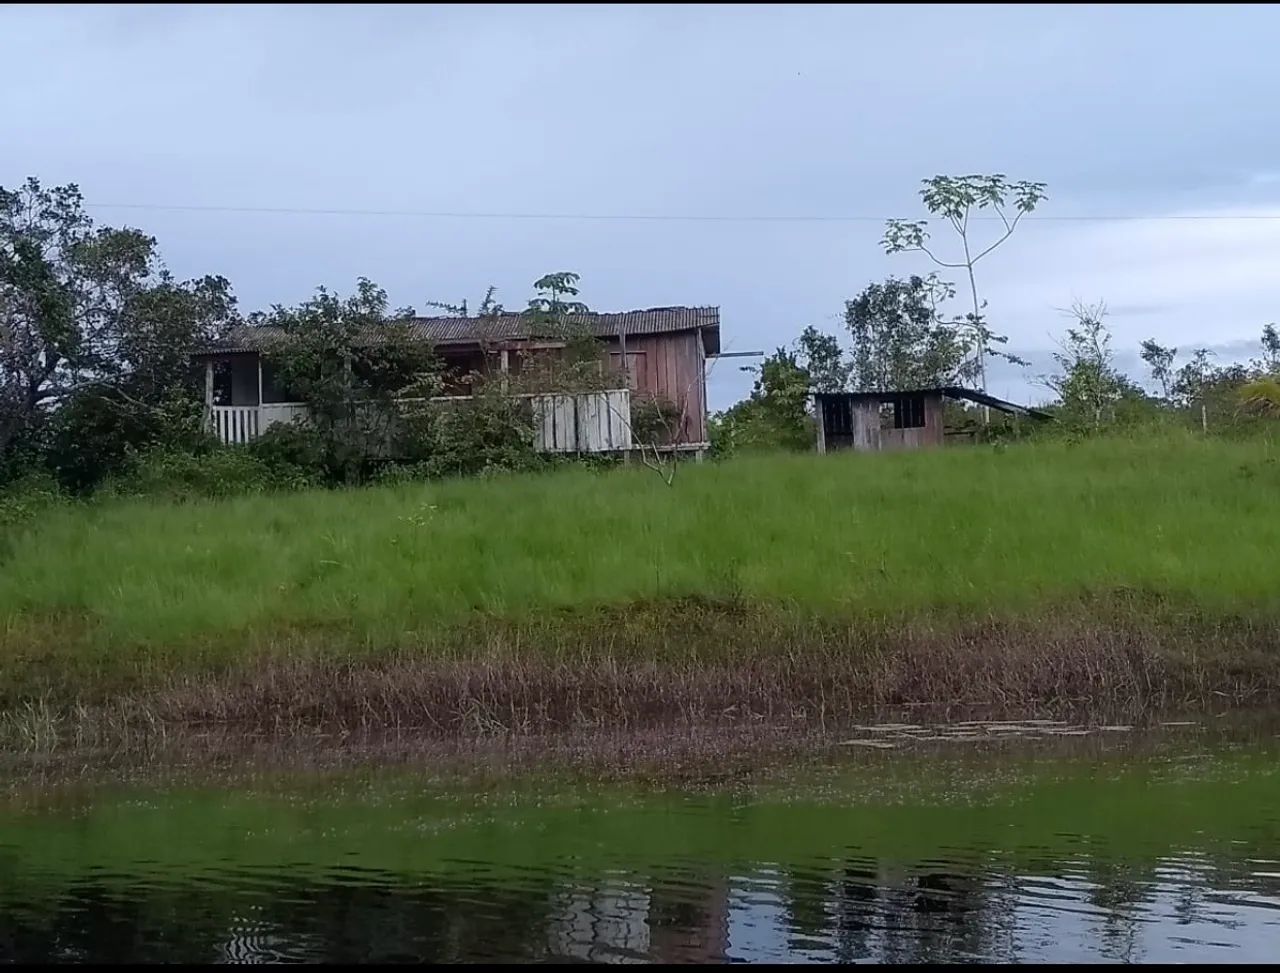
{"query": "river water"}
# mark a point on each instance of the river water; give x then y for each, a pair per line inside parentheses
(1154, 849)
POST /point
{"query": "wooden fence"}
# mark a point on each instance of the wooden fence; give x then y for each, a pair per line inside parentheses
(580, 422)
(583, 422)
(238, 424)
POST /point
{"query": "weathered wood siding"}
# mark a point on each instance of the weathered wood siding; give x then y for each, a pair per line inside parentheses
(930, 434)
(866, 425)
(672, 366)
(934, 420)
(586, 422)
(849, 423)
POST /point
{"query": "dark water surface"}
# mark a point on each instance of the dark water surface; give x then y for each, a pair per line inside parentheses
(1113, 853)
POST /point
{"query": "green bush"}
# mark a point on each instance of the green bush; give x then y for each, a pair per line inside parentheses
(653, 419)
(95, 435)
(25, 498)
(23, 455)
(487, 433)
(293, 452)
(223, 472)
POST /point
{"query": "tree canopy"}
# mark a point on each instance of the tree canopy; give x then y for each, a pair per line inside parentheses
(90, 311)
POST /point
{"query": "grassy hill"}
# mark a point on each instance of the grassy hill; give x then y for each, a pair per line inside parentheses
(744, 557)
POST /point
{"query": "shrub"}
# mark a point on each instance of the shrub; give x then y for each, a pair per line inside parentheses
(26, 497)
(1261, 397)
(654, 419)
(223, 472)
(96, 434)
(489, 432)
(293, 452)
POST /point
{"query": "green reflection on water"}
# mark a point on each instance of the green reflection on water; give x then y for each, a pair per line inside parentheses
(401, 822)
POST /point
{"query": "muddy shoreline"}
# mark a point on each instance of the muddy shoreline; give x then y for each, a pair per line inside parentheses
(713, 684)
(711, 755)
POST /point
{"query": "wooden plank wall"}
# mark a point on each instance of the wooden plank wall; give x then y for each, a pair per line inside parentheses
(586, 422)
(934, 429)
(672, 366)
(866, 425)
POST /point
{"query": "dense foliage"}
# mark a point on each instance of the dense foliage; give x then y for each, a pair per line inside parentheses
(95, 340)
(98, 391)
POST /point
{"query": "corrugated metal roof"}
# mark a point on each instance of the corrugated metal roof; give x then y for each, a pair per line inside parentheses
(950, 391)
(512, 326)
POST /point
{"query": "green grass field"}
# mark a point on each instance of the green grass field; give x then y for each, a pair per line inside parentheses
(957, 533)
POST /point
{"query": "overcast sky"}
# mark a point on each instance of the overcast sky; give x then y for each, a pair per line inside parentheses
(1155, 111)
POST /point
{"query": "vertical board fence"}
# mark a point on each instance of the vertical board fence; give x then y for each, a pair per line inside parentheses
(583, 422)
(239, 424)
(579, 422)
(234, 424)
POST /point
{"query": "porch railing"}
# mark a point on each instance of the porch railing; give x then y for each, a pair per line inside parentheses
(234, 424)
(582, 422)
(239, 424)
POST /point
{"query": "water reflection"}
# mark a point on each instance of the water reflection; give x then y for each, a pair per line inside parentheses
(1168, 862)
(854, 910)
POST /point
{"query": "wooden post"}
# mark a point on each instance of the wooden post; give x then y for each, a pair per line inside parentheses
(821, 423)
(622, 349)
(259, 381)
(208, 393)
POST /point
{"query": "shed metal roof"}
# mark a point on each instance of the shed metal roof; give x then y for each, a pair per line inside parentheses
(950, 391)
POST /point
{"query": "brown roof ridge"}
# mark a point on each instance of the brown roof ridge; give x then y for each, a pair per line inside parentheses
(514, 325)
(590, 312)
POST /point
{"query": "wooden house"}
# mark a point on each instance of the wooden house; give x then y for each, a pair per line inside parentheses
(658, 354)
(901, 419)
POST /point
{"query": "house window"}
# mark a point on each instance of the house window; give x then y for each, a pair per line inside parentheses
(635, 367)
(274, 387)
(908, 412)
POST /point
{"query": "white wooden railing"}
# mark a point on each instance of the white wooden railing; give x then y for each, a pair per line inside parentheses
(238, 424)
(234, 424)
(563, 422)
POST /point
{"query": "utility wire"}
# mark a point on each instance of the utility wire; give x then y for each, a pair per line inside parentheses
(646, 217)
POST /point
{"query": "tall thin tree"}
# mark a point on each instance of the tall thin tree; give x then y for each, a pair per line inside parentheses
(961, 200)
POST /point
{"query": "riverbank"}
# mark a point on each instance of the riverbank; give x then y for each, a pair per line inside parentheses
(1120, 576)
(695, 669)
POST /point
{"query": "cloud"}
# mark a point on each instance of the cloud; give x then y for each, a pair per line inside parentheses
(676, 110)
(1190, 279)
(1138, 310)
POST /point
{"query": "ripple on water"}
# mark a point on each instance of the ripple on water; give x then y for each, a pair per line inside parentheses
(883, 859)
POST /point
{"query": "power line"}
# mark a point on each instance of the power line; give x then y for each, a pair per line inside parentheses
(648, 217)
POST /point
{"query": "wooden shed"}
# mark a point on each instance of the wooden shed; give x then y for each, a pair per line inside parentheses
(896, 419)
